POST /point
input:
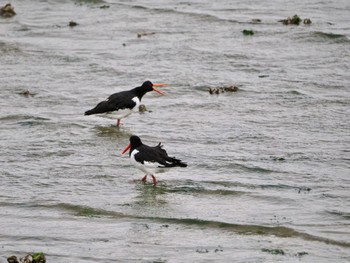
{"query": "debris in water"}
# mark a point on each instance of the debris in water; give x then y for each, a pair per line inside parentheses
(274, 251)
(295, 20)
(202, 250)
(104, 6)
(304, 189)
(12, 259)
(303, 253)
(219, 249)
(39, 257)
(248, 32)
(223, 89)
(256, 20)
(26, 93)
(307, 21)
(30, 258)
(72, 23)
(279, 159)
(7, 11)
(139, 35)
(81, 2)
(142, 108)
(264, 76)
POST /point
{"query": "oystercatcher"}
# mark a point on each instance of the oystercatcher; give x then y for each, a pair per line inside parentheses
(149, 159)
(123, 103)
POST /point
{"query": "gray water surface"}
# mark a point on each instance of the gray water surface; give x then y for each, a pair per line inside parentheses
(268, 166)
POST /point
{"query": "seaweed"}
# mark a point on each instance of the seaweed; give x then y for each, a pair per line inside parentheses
(139, 35)
(295, 20)
(223, 89)
(248, 32)
(38, 257)
(72, 24)
(273, 251)
(7, 11)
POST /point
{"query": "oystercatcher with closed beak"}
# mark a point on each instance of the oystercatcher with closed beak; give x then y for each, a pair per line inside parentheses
(123, 103)
(150, 160)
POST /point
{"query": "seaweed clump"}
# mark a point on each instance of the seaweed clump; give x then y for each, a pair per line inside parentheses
(72, 23)
(139, 35)
(142, 108)
(275, 251)
(30, 258)
(27, 93)
(295, 20)
(307, 21)
(256, 20)
(248, 32)
(223, 89)
(7, 11)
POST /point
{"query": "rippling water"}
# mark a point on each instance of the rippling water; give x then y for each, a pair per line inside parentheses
(268, 165)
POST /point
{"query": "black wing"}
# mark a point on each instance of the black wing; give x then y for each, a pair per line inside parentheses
(116, 101)
(157, 154)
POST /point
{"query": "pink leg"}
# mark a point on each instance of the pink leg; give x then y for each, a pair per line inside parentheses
(154, 180)
(118, 122)
(144, 178)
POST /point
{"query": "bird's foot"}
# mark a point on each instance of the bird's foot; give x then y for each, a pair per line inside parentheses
(154, 180)
(118, 123)
(144, 178)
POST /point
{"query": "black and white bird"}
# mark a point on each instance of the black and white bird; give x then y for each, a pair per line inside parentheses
(150, 160)
(123, 103)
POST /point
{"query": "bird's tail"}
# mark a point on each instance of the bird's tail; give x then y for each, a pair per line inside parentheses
(89, 112)
(179, 163)
(182, 164)
(100, 108)
(95, 110)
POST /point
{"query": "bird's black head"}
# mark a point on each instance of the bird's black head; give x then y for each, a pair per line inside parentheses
(147, 86)
(135, 141)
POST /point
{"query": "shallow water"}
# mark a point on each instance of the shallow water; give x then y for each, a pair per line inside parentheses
(268, 166)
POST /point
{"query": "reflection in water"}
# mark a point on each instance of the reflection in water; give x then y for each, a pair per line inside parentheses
(112, 131)
(149, 195)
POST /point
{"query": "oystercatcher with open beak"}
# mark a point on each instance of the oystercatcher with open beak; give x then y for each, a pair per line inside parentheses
(149, 159)
(124, 103)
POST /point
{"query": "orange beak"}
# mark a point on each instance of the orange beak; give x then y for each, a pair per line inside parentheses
(158, 85)
(127, 148)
